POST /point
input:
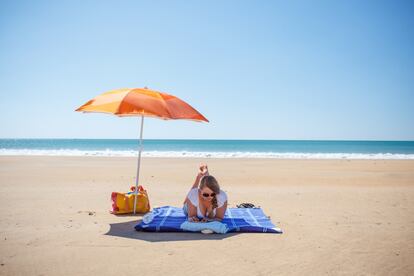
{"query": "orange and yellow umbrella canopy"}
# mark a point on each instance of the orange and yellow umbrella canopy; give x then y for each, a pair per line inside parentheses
(142, 102)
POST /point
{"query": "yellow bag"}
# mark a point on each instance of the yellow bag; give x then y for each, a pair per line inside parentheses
(123, 203)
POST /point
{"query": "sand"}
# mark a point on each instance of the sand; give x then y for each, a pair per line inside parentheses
(339, 217)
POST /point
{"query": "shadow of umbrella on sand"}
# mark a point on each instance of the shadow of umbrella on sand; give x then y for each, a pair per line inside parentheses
(126, 230)
(142, 102)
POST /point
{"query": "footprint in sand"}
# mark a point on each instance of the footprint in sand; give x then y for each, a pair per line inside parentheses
(91, 213)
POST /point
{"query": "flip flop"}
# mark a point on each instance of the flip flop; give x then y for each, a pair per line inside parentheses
(246, 205)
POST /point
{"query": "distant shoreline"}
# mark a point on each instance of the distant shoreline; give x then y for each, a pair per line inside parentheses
(218, 155)
(268, 149)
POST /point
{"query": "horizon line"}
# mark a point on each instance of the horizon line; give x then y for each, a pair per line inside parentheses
(202, 139)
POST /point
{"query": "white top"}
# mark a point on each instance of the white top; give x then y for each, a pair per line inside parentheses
(193, 197)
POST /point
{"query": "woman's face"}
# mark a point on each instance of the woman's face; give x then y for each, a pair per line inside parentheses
(206, 193)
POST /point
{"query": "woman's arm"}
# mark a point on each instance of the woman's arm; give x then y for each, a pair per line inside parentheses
(219, 213)
(192, 211)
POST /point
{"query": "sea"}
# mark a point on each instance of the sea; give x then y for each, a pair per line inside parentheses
(278, 149)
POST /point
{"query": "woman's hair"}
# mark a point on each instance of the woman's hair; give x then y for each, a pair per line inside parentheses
(210, 182)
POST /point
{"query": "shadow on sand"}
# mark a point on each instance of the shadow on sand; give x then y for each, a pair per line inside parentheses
(127, 230)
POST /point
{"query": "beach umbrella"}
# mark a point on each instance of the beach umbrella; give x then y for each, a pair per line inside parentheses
(142, 102)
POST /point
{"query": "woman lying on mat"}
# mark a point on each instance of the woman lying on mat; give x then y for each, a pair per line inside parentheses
(205, 201)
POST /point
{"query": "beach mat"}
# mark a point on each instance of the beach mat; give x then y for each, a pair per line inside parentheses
(170, 219)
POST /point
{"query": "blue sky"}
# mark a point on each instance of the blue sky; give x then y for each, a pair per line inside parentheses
(255, 69)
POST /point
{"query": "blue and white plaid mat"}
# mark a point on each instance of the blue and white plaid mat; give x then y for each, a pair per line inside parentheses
(171, 219)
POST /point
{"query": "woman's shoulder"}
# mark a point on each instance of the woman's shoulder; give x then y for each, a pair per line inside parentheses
(193, 195)
(222, 196)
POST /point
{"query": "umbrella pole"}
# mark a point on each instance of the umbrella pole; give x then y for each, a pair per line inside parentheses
(139, 164)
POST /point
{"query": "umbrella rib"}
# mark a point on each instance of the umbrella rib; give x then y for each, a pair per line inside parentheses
(166, 106)
(164, 103)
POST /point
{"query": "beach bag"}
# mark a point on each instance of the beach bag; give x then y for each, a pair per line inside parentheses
(123, 203)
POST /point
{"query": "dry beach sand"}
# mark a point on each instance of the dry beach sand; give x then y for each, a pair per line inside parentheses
(349, 217)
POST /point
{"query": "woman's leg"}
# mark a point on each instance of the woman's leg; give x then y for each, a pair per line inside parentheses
(202, 172)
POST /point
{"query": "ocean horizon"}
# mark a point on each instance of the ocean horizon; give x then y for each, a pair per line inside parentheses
(201, 148)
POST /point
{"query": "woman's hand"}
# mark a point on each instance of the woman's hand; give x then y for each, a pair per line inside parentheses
(193, 219)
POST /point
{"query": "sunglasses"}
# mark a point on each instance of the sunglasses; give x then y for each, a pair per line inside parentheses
(207, 194)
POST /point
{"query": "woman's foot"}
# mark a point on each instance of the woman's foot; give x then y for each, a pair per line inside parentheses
(203, 170)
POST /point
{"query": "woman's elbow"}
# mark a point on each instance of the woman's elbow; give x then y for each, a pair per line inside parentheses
(219, 217)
